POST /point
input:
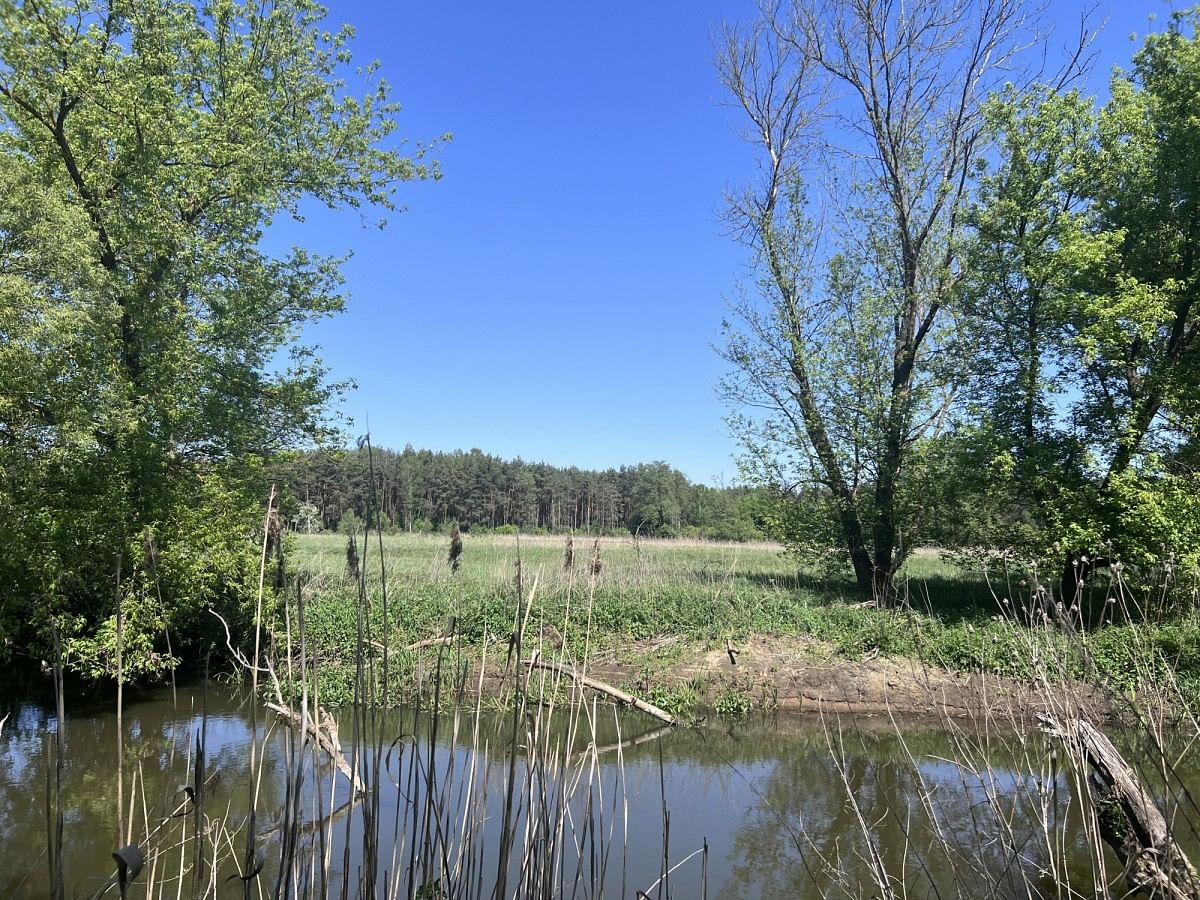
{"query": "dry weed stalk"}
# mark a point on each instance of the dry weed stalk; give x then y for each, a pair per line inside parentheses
(456, 548)
(352, 566)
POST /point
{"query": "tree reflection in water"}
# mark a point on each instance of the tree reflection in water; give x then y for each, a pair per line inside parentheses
(941, 812)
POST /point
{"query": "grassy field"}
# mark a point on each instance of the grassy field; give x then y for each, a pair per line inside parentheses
(705, 594)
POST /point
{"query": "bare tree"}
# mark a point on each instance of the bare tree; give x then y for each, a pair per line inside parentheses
(866, 118)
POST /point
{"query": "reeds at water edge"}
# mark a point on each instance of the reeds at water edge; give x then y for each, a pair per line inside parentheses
(523, 809)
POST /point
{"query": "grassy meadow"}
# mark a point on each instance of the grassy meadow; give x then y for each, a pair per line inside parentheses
(652, 603)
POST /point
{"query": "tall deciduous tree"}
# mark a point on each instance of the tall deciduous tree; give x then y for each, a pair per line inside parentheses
(144, 148)
(1086, 298)
(842, 357)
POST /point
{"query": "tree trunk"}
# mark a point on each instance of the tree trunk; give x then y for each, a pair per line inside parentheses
(1129, 821)
(856, 545)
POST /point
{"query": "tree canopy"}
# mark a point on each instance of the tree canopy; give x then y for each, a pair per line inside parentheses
(149, 340)
(975, 317)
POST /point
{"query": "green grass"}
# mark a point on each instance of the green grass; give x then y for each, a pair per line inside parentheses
(707, 592)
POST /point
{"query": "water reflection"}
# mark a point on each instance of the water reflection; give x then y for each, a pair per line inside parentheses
(783, 806)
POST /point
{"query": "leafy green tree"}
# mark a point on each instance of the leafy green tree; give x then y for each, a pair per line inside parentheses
(1017, 457)
(1083, 301)
(842, 358)
(654, 501)
(144, 148)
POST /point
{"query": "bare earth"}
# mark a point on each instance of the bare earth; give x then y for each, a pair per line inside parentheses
(799, 675)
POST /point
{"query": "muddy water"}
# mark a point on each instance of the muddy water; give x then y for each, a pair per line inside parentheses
(786, 808)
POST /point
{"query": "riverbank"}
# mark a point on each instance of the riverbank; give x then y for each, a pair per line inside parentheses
(793, 674)
(695, 626)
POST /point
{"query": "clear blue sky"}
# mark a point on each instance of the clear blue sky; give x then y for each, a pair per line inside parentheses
(556, 296)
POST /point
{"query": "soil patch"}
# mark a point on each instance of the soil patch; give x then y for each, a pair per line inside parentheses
(797, 674)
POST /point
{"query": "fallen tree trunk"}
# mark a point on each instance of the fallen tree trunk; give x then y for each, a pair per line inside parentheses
(325, 733)
(614, 692)
(1130, 823)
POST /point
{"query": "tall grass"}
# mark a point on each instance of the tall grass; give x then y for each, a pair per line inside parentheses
(519, 810)
(1052, 821)
(523, 807)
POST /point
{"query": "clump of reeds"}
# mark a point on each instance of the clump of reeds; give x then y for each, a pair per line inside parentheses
(569, 554)
(1056, 825)
(352, 570)
(340, 830)
(596, 558)
(456, 548)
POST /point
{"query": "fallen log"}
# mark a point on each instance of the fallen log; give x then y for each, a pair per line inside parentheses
(595, 685)
(431, 642)
(1130, 823)
(325, 733)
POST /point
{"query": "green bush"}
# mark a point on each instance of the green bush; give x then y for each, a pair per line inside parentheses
(732, 703)
(350, 523)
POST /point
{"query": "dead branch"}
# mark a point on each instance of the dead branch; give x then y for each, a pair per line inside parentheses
(615, 693)
(1129, 821)
(431, 642)
(324, 730)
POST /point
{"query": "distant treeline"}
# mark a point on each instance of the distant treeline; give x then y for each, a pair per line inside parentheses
(420, 490)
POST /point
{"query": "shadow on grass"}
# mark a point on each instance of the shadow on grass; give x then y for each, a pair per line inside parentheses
(950, 598)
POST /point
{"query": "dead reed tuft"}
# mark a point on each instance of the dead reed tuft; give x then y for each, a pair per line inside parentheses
(456, 548)
(352, 568)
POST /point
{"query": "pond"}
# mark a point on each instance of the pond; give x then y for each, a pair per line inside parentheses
(599, 803)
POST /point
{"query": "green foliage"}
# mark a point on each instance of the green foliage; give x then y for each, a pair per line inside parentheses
(679, 700)
(148, 340)
(1158, 514)
(1081, 298)
(350, 523)
(732, 702)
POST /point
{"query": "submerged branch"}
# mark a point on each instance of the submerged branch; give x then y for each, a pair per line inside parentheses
(324, 729)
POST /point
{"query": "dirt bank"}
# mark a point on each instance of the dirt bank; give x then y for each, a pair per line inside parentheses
(800, 675)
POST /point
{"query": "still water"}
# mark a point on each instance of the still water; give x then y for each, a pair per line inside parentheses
(789, 807)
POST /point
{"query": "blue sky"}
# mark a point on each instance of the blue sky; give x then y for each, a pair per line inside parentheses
(556, 296)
